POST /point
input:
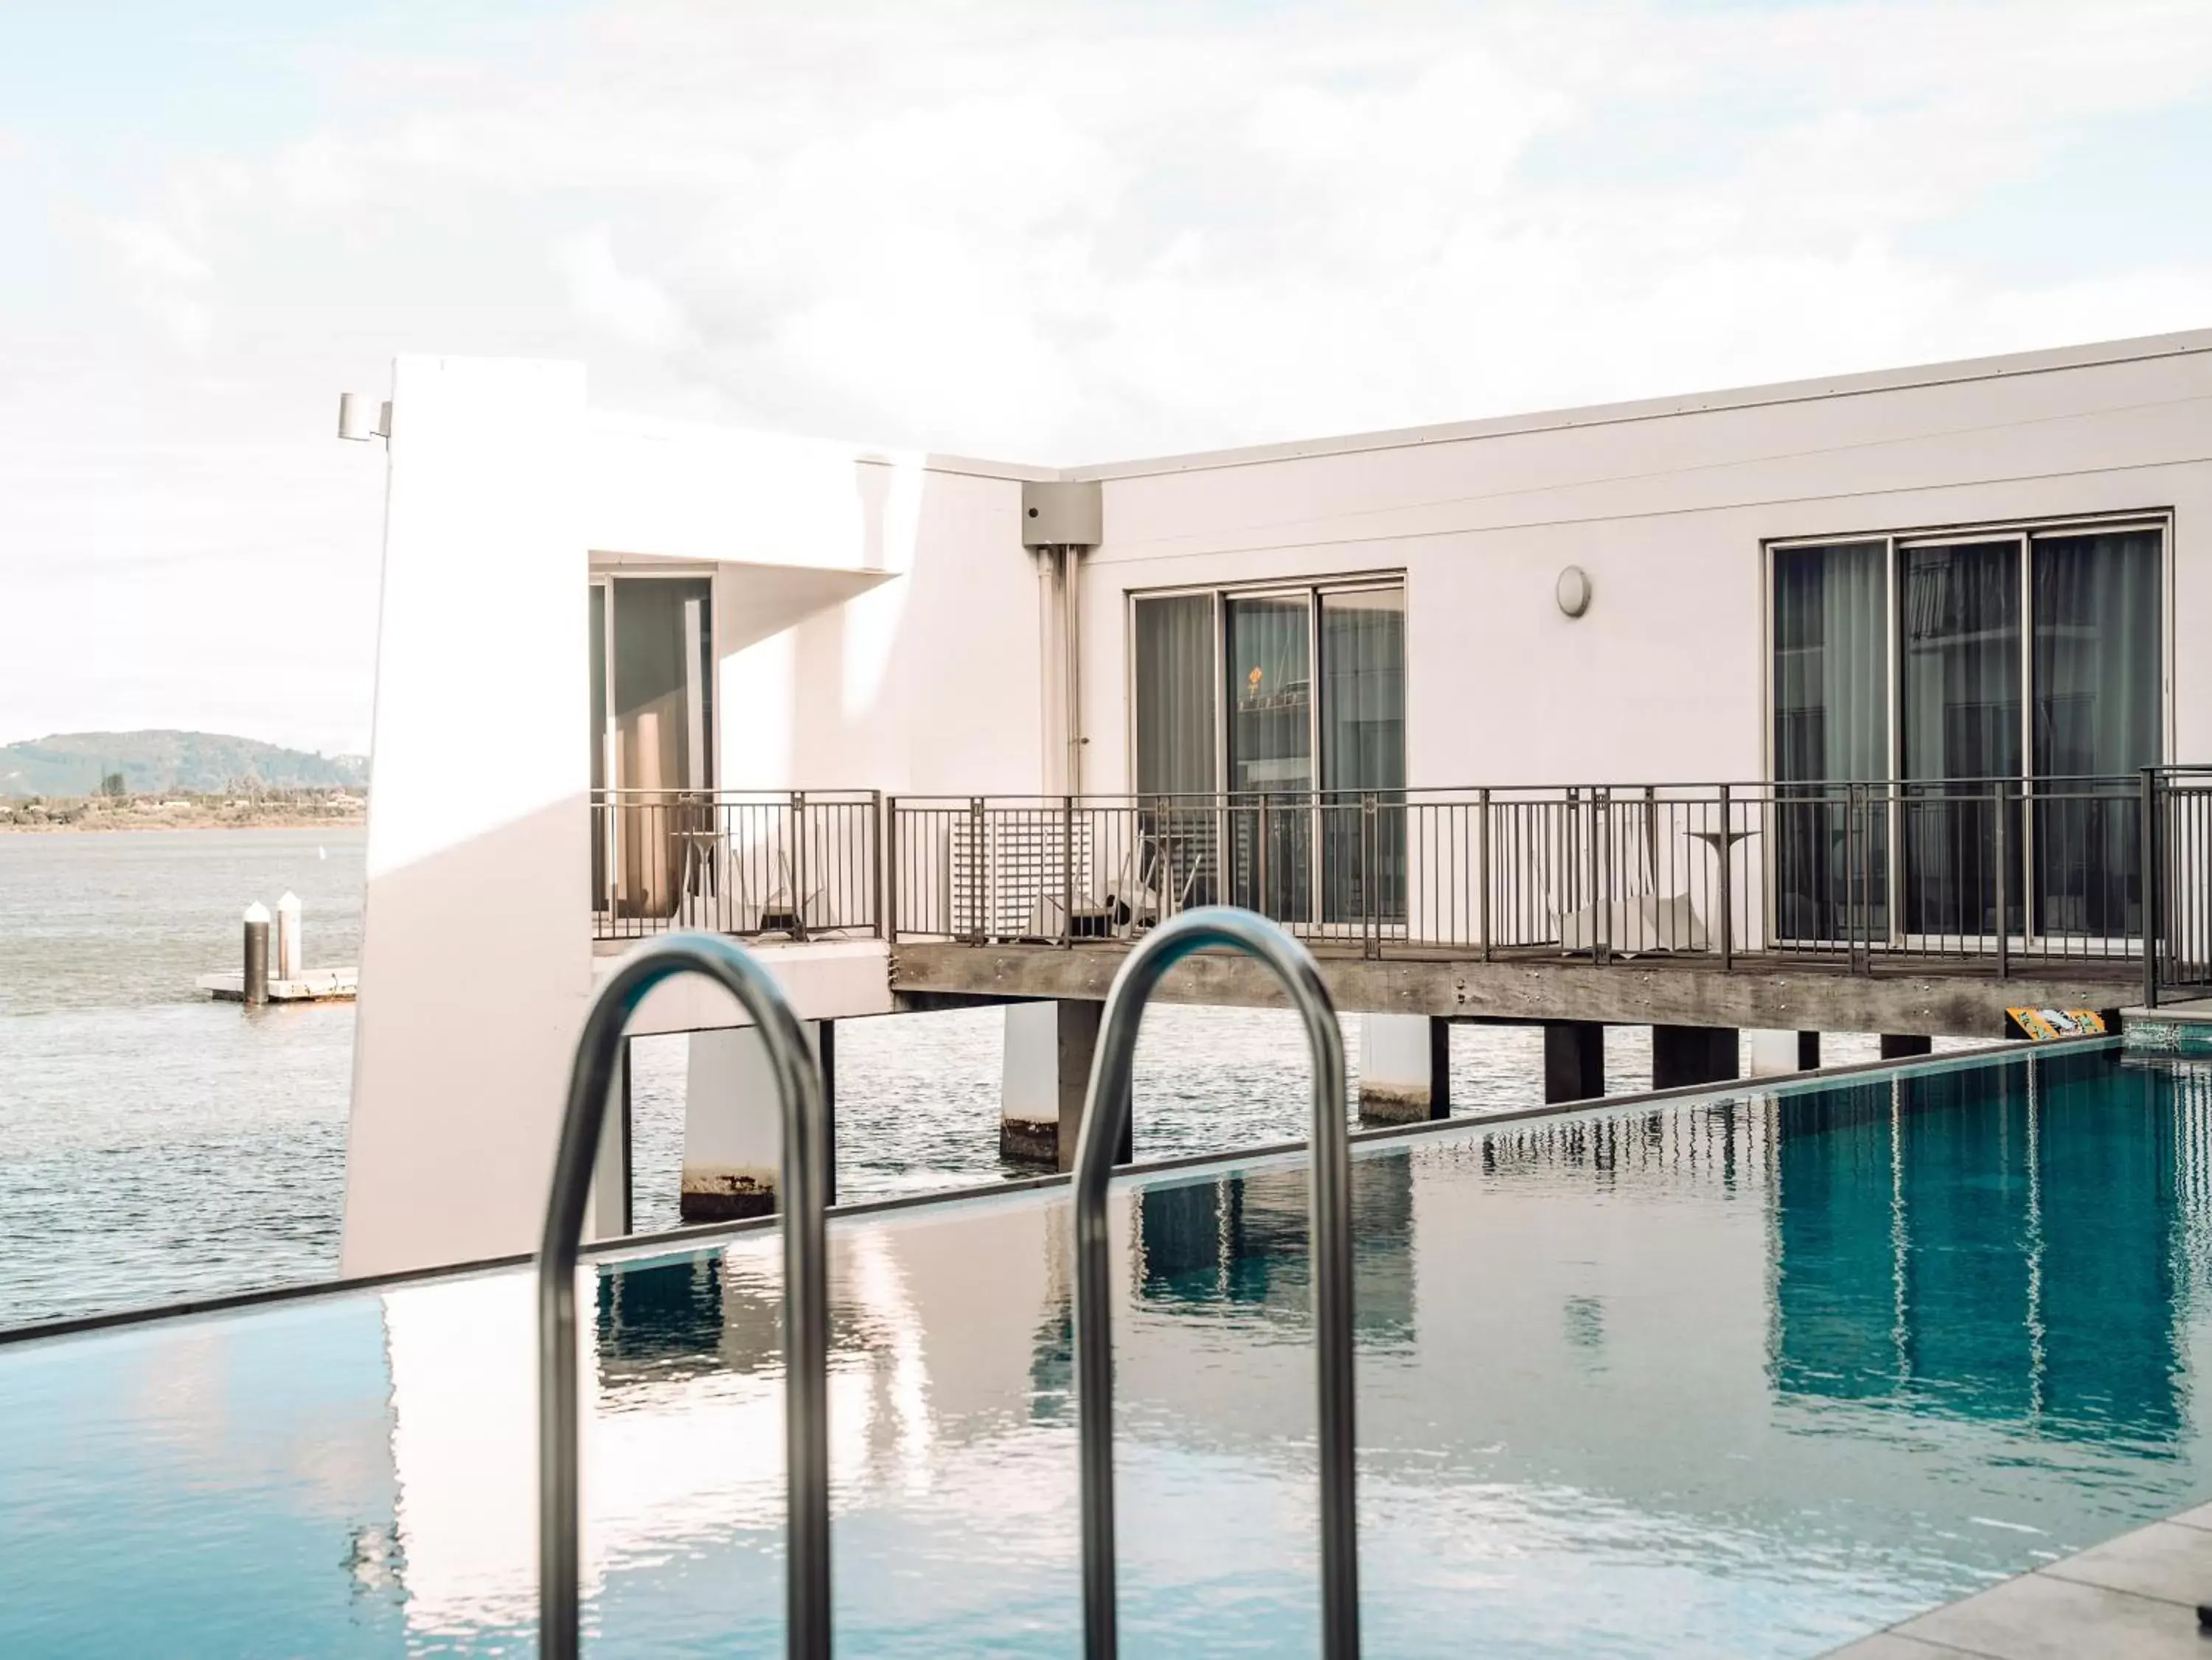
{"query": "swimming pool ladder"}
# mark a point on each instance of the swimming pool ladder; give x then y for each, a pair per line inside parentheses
(803, 1197)
(1105, 1117)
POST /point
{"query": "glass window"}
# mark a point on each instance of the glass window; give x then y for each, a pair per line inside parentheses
(1363, 711)
(1271, 682)
(2097, 678)
(1271, 754)
(1959, 631)
(1362, 716)
(1831, 730)
(1175, 695)
(659, 725)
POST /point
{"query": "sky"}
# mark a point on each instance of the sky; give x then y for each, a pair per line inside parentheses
(1031, 231)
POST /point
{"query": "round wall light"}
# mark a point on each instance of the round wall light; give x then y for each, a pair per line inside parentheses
(1574, 590)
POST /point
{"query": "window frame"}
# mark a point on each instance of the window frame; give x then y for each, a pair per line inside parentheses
(2025, 531)
(1308, 590)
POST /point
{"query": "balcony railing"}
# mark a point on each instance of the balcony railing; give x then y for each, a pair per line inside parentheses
(802, 864)
(1986, 875)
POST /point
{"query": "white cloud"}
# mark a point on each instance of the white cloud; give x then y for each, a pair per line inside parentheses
(631, 307)
(1075, 233)
(168, 282)
(152, 251)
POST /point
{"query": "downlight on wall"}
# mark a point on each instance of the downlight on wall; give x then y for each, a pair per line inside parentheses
(356, 422)
(1573, 591)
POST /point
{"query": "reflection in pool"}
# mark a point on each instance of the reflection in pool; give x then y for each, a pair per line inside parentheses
(1751, 1376)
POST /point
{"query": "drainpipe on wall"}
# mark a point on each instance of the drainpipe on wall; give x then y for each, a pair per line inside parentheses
(1061, 522)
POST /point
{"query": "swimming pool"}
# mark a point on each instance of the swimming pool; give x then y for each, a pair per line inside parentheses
(1747, 1374)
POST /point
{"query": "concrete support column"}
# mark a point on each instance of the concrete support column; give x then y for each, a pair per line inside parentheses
(1043, 1076)
(1405, 1067)
(1774, 1052)
(608, 1215)
(1903, 1045)
(733, 1124)
(1684, 1055)
(1574, 1061)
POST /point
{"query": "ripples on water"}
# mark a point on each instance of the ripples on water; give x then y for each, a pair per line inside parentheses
(157, 1146)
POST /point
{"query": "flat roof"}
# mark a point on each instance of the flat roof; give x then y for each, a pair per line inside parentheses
(2145, 347)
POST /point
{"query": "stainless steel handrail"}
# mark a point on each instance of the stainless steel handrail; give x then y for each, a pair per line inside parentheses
(804, 1198)
(1105, 1117)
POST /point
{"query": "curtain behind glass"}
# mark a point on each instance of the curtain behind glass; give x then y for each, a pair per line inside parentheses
(1175, 695)
(1960, 629)
(1363, 714)
(1175, 732)
(660, 733)
(1831, 728)
(2096, 673)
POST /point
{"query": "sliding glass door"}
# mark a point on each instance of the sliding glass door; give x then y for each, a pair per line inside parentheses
(1289, 704)
(1994, 694)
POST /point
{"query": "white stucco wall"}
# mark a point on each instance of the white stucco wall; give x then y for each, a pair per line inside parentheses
(1666, 506)
(476, 942)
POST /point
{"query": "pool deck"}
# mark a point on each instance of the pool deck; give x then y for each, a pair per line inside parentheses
(2130, 1598)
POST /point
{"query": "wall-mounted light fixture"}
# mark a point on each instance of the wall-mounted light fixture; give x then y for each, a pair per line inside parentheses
(354, 424)
(1573, 592)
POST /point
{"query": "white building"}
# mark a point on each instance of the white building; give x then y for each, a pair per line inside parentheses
(1892, 612)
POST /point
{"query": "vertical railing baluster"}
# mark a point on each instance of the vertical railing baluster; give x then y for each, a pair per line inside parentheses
(887, 851)
(2149, 886)
(1727, 884)
(1482, 859)
(1600, 889)
(1370, 843)
(2005, 921)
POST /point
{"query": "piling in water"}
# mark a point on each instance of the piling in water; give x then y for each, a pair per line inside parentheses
(255, 986)
(289, 961)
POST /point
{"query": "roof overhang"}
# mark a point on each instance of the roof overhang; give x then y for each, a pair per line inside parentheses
(755, 601)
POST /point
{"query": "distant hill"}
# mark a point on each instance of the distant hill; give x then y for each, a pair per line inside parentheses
(187, 763)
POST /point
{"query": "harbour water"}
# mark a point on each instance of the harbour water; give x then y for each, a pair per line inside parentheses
(155, 1146)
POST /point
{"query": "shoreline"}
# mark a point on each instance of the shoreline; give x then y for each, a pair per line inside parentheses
(107, 826)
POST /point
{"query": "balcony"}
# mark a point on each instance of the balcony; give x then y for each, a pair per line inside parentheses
(1996, 877)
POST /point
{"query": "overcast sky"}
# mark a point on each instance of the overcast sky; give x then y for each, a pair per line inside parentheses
(1048, 233)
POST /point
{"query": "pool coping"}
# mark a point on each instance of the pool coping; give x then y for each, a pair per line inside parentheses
(2134, 1596)
(683, 1240)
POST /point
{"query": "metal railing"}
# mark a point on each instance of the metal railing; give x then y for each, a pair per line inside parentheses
(2177, 856)
(804, 1198)
(741, 861)
(1105, 1119)
(1983, 874)
(1986, 873)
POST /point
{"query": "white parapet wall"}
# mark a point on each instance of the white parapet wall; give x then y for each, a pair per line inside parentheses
(476, 946)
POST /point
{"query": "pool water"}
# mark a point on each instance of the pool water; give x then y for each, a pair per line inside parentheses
(1748, 1375)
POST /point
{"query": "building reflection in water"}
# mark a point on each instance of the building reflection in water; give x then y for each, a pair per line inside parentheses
(1237, 1243)
(2010, 1245)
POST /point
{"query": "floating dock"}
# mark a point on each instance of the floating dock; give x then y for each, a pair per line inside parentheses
(307, 985)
